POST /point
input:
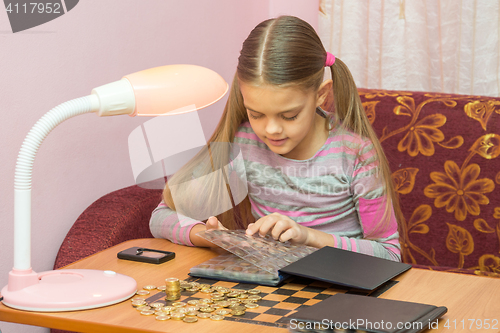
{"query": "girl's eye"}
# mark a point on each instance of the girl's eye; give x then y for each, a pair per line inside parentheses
(283, 117)
(291, 118)
(254, 117)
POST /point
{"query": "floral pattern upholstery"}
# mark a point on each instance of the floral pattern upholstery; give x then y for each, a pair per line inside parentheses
(444, 154)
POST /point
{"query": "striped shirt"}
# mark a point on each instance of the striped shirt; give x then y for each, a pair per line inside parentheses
(338, 191)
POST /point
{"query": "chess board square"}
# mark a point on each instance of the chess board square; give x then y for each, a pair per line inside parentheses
(305, 294)
(200, 295)
(284, 292)
(267, 318)
(264, 302)
(297, 300)
(267, 290)
(287, 306)
(226, 284)
(278, 312)
(321, 296)
(293, 286)
(275, 297)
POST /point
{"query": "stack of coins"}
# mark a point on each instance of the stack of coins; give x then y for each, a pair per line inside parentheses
(172, 289)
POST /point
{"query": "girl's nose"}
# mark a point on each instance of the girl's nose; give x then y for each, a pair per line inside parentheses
(273, 128)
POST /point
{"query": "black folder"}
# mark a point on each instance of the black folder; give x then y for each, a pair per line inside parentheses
(346, 268)
(365, 313)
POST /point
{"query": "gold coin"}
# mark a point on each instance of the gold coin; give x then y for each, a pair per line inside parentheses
(254, 298)
(168, 308)
(192, 289)
(203, 315)
(185, 285)
(223, 312)
(237, 313)
(207, 309)
(161, 288)
(216, 306)
(206, 301)
(190, 319)
(143, 308)
(207, 290)
(242, 296)
(217, 317)
(232, 294)
(224, 290)
(172, 281)
(191, 313)
(180, 310)
(224, 304)
(160, 313)
(251, 305)
(173, 297)
(192, 308)
(240, 291)
(178, 304)
(204, 285)
(149, 287)
(193, 302)
(254, 291)
(142, 292)
(217, 294)
(136, 304)
(238, 307)
(156, 305)
(246, 301)
(177, 316)
(138, 299)
(162, 317)
(147, 312)
(217, 298)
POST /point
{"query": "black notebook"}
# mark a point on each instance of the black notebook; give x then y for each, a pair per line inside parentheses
(365, 313)
(346, 268)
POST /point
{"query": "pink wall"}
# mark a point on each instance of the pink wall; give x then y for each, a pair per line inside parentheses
(95, 43)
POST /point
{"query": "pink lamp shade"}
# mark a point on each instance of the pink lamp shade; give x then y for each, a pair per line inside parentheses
(175, 89)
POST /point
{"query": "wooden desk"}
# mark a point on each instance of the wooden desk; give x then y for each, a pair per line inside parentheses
(466, 297)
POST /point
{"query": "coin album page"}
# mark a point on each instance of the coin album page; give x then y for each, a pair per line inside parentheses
(253, 259)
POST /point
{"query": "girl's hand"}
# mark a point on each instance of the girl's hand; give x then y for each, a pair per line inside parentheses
(214, 223)
(280, 227)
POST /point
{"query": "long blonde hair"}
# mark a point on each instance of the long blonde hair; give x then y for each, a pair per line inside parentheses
(286, 51)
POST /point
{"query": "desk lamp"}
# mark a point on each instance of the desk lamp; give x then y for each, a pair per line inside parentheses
(165, 90)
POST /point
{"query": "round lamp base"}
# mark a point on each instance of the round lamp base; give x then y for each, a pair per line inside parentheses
(70, 290)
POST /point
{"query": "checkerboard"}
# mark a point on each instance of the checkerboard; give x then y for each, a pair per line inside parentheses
(277, 303)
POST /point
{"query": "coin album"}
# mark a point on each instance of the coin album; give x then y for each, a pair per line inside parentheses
(253, 259)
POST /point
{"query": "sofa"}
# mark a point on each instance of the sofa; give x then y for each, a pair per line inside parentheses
(443, 151)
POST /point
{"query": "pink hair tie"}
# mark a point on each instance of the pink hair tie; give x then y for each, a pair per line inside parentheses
(330, 59)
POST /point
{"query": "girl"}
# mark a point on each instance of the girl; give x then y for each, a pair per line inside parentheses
(313, 178)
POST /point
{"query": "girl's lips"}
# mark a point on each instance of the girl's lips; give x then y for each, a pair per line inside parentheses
(277, 142)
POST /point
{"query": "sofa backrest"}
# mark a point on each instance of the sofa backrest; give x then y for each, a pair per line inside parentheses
(444, 155)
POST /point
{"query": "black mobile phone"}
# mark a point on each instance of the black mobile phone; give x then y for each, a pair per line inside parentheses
(146, 255)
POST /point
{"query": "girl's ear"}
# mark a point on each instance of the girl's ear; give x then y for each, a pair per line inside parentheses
(324, 89)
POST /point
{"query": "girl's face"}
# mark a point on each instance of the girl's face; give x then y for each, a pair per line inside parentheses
(285, 119)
